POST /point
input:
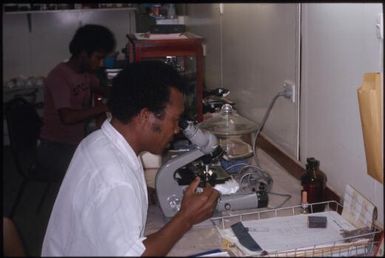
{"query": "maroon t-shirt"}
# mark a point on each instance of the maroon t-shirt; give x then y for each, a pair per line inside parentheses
(64, 88)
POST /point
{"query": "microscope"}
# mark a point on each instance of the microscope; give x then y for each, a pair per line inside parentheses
(201, 159)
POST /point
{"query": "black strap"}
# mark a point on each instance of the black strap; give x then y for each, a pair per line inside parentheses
(244, 237)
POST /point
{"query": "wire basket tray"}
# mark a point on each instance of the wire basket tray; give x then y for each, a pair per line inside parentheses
(363, 243)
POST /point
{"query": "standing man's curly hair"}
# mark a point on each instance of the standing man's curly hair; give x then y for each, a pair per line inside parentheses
(91, 38)
(141, 85)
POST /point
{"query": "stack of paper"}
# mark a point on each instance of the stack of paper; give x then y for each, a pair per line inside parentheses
(357, 209)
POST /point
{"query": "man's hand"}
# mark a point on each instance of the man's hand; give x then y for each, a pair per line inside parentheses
(197, 207)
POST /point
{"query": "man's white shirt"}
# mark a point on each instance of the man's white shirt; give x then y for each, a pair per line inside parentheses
(101, 207)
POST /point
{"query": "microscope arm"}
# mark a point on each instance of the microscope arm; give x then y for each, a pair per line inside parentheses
(177, 162)
(168, 191)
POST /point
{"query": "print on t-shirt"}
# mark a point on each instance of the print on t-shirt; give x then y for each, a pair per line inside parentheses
(80, 87)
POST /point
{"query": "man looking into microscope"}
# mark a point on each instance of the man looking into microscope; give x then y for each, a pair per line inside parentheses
(102, 204)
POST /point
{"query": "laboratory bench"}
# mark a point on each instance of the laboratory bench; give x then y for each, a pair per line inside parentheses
(204, 237)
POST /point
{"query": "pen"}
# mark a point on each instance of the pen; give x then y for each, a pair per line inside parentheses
(213, 251)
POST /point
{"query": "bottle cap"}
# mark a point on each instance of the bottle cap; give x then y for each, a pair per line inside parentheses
(312, 162)
(310, 159)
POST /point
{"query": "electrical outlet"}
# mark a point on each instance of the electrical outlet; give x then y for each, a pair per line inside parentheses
(380, 26)
(290, 89)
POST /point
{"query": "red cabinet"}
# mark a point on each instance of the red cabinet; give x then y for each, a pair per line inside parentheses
(184, 52)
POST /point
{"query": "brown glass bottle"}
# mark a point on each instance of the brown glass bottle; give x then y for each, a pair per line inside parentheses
(314, 182)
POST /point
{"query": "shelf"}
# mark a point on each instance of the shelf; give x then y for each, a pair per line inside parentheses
(71, 10)
(18, 89)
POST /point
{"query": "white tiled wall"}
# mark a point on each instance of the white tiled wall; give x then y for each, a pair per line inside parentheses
(35, 52)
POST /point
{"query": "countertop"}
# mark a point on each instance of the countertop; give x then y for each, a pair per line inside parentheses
(204, 236)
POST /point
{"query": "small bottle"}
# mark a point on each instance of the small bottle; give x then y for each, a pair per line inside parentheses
(171, 11)
(304, 203)
(314, 182)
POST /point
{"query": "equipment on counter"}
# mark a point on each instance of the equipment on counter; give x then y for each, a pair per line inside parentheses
(214, 99)
(234, 133)
(201, 158)
(219, 92)
(167, 28)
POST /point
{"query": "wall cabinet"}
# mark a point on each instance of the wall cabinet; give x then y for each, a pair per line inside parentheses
(184, 52)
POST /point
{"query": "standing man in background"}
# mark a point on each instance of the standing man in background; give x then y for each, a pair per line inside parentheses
(67, 98)
(101, 208)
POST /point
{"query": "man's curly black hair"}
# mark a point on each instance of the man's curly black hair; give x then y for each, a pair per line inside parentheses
(91, 38)
(141, 85)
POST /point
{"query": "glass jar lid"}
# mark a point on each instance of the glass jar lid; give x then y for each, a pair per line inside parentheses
(228, 122)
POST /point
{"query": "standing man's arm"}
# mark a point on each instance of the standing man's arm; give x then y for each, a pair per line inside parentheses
(61, 94)
(73, 116)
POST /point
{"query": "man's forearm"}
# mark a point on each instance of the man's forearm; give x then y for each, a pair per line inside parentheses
(73, 116)
(161, 242)
(195, 208)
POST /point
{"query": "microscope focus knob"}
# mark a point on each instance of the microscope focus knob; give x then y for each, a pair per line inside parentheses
(227, 206)
(174, 202)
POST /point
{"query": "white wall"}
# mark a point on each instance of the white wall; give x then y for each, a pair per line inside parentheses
(256, 51)
(339, 46)
(204, 20)
(36, 52)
